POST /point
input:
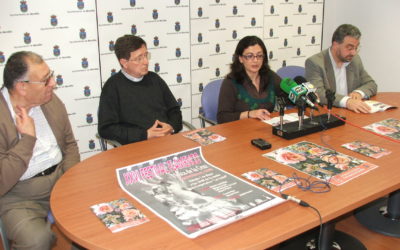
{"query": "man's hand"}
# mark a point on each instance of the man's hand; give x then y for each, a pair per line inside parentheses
(357, 106)
(24, 123)
(261, 114)
(355, 96)
(159, 129)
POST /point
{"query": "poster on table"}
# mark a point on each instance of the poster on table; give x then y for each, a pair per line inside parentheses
(191, 194)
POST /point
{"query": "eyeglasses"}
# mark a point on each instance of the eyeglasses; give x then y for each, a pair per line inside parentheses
(140, 58)
(45, 82)
(252, 56)
(351, 48)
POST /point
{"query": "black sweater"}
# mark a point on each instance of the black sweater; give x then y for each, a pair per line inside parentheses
(127, 109)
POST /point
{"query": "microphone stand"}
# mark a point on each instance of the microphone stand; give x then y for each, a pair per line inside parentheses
(301, 105)
(281, 105)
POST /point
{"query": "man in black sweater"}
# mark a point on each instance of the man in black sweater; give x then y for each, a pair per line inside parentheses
(136, 104)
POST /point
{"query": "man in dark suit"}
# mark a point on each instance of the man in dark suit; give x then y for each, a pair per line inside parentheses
(36, 147)
(339, 68)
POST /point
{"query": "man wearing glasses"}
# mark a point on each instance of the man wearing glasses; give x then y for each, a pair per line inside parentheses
(339, 68)
(136, 104)
(36, 147)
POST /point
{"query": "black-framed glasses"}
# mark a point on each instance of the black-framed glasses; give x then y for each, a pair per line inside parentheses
(140, 58)
(45, 81)
(252, 56)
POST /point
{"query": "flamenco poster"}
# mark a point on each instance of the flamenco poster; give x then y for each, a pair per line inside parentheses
(191, 194)
(323, 163)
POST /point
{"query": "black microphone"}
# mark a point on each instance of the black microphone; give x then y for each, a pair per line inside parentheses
(281, 105)
(330, 96)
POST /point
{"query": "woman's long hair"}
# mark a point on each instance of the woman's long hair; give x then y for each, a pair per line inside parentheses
(238, 71)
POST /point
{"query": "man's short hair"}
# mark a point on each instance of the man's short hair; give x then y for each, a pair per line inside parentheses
(127, 44)
(345, 30)
(17, 67)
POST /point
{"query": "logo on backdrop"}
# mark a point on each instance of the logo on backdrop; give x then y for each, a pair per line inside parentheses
(179, 101)
(272, 9)
(234, 34)
(298, 51)
(234, 10)
(178, 78)
(314, 18)
(178, 52)
(217, 23)
(85, 63)
(132, 3)
(299, 30)
(53, 20)
(200, 62)
(177, 2)
(92, 145)
(217, 48)
(86, 91)
(113, 72)
(201, 87)
(56, 50)
(80, 4)
(89, 118)
(253, 21)
(156, 42)
(111, 45)
(271, 55)
(217, 72)
(27, 38)
(133, 29)
(82, 33)
(200, 12)
(313, 39)
(155, 14)
(156, 67)
(200, 37)
(110, 17)
(300, 9)
(177, 26)
(271, 32)
(284, 63)
(285, 42)
(23, 6)
(59, 80)
(2, 57)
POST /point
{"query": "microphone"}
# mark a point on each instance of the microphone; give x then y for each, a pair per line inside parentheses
(310, 89)
(296, 92)
(281, 105)
(330, 96)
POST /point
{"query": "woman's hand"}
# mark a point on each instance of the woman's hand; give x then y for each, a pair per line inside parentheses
(261, 114)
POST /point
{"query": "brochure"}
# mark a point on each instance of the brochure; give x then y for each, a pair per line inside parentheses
(119, 214)
(389, 127)
(320, 162)
(270, 179)
(204, 136)
(366, 149)
(191, 194)
(378, 106)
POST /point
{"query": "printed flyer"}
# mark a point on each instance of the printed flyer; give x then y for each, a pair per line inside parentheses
(270, 179)
(320, 162)
(389, 127)
(191, 194)
(204, 136)
(366, 149)
(118, 215)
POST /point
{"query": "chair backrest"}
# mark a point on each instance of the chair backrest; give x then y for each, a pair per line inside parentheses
(209, 99)
(291, 71)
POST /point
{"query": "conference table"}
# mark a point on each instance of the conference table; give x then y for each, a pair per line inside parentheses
(94, 181)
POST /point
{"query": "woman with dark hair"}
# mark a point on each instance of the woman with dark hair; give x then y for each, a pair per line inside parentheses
(249, 90)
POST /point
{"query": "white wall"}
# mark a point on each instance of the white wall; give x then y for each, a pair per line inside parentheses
(379, 24)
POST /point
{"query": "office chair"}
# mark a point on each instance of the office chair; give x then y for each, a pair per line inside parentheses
(291, 71)
(209, 103)
(4, 239)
